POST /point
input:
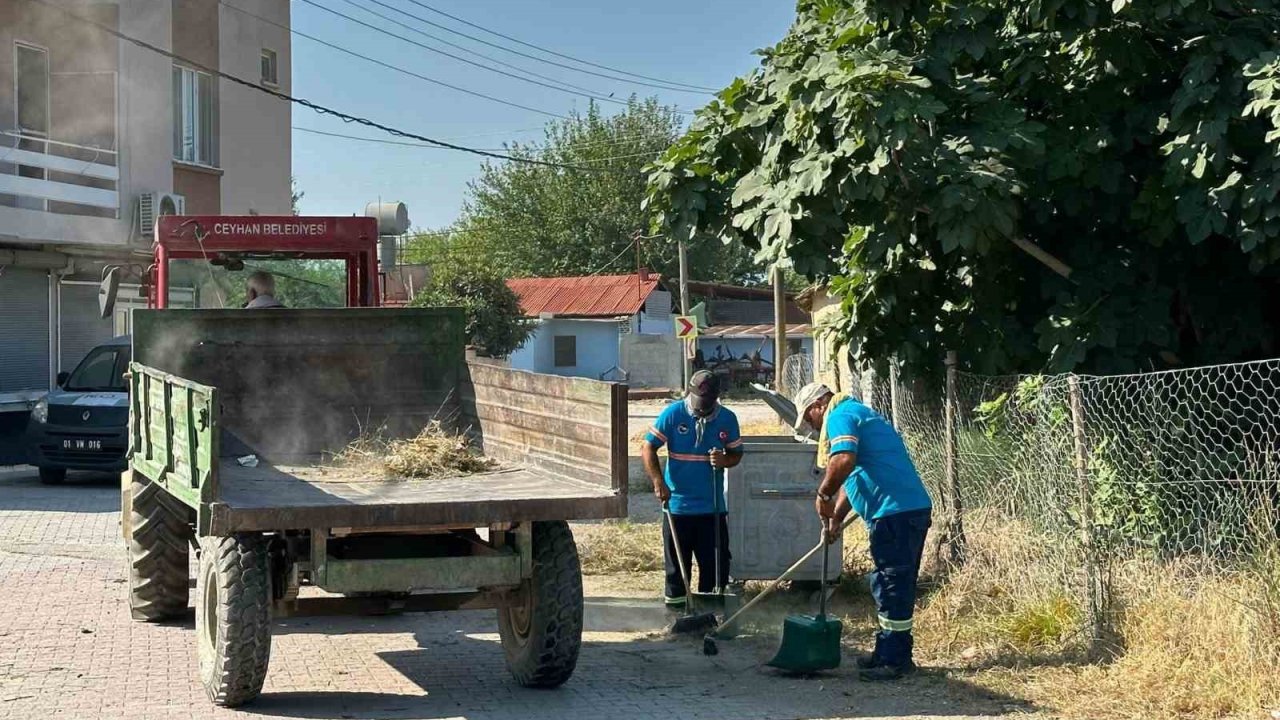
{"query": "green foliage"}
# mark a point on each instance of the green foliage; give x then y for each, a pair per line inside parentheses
(295, 195)
(1042, 624)
(524, 220)
(897, 148)
(495, 324)
(299, 283)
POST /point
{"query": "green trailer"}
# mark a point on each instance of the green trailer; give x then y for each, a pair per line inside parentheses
(231, 416)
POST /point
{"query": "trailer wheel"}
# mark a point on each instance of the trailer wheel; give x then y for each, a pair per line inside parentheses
(233, 617)
(156, 535)
(542, 636)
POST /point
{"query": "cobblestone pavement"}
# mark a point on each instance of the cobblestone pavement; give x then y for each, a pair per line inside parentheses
(69, 650)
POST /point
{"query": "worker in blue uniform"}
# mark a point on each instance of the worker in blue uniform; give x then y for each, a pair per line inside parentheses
(868, 471)
(702, 439)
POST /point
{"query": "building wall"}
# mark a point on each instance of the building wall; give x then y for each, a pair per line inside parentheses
(830, 364)
(651, 361)
(597, 348)
(254, 137)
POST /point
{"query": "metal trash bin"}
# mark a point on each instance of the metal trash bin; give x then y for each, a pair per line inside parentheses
(771, 517)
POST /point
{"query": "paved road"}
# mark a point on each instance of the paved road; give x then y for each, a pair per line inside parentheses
(68, 649)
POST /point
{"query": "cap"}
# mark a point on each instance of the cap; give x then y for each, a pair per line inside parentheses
(805, 398)
(704, 390)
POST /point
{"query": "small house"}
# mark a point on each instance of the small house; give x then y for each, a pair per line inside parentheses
(614, 327)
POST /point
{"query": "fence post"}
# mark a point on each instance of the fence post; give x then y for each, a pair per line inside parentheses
(1094, 592)
(953, 541)
(893, 395)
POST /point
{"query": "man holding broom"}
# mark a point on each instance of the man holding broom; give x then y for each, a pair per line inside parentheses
(868, 471)
(702, 439)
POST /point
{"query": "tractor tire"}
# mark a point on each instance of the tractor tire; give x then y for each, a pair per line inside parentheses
(157, 535)
(52, 476)
(233, 617)
(542, 636)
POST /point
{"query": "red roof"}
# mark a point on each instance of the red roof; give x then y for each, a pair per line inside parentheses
(591, 296)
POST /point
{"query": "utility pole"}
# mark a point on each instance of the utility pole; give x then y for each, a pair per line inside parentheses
(779, 329)
(684, 310)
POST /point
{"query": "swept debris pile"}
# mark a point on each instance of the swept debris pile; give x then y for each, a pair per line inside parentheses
(433, 453)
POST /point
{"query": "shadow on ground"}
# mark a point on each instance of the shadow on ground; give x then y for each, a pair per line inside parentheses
(460, 673)
(20, 489)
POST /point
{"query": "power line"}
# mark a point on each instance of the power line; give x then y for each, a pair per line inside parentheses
(461, 47)
(663, 86)
(320, 109)
(504, 73)
(455, 18)
(424, 146)
(387, 65)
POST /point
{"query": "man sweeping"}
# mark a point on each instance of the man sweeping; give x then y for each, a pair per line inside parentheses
(702, 439)
(869, 472)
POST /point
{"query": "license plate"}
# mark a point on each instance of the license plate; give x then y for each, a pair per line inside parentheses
(81, 444)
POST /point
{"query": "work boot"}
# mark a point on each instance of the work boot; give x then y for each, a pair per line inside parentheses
(886, 673)
(866, 661)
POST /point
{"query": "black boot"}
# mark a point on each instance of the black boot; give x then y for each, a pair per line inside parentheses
(887, 673)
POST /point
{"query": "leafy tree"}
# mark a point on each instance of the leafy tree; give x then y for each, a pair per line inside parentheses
(1043, 184)
(529, 220)
(295, 195)
(495, 324)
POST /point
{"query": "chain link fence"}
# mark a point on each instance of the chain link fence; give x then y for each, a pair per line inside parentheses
(797, 371)
(1071, 486)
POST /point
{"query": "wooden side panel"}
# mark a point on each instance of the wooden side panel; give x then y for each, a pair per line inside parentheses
(173, 433)
(573, 427)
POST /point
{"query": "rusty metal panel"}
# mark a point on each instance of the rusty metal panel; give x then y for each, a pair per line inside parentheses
(596, 296)
(299, 383)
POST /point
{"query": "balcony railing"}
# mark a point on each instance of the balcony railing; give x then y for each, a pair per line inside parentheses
(74, 175)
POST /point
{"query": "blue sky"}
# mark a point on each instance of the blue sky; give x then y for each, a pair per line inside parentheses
(698, 42)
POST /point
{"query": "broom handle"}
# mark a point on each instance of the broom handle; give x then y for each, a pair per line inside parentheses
(684, 572)
(789, 571)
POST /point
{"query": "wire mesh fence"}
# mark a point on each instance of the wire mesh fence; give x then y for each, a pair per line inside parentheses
(1059, 486)
(797, 371)
(1082, 490)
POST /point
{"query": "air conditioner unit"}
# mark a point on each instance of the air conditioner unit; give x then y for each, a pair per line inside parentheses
(154, 205)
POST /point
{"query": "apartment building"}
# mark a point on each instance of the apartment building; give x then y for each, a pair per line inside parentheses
(98, 136)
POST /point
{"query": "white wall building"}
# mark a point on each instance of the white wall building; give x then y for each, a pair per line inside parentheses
(98, 135)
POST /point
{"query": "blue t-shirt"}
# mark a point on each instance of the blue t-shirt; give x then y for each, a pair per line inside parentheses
(884, 482)
(689, 474)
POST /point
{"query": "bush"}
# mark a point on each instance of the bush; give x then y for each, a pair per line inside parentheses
(496, 326)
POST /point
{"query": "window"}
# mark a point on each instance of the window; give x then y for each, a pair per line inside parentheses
(270, 68)
(102, 369)
(193, 116)
(566, 350)
(794, 347)
(33, 90)
(31, 85)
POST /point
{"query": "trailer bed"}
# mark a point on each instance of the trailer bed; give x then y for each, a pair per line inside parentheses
(268, 497)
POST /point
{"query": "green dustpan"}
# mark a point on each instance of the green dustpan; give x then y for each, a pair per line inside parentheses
(810, 643)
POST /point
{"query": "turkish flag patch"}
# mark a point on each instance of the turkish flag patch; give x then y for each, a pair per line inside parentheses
(724, 435)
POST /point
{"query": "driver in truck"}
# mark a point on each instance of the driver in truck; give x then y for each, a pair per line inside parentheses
(260, 292)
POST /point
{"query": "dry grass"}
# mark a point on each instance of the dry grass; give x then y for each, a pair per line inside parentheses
(433, 453)
(1195, 644)
(758, 427)
(620, 547)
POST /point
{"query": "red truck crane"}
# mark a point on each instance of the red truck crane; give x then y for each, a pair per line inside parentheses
(229, 240)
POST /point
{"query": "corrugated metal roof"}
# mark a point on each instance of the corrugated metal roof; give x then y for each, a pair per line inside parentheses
(753, 331)
(591, 296)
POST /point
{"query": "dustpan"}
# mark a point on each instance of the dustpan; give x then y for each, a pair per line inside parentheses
(810, 643)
